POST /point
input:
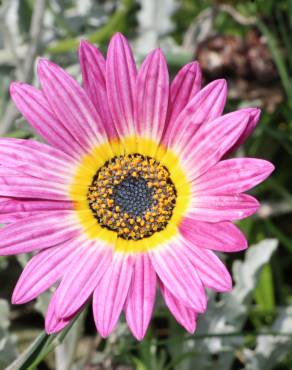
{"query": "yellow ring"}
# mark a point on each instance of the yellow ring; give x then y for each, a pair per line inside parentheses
(89, 165)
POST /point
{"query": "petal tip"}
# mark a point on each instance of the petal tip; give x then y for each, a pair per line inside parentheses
(270, 167)
(240, 242)
(195, 68)
(50, 328)
(243, 244)
(14, 299)
(17, 87)
(43, 62)
(118, 37)
(228, 284)
(83, 42)
(220, 83)
(120, 46)
(14, 87)
(202, 305)
(256, 112)
(158, 53)
(139, 335)
(267, 168)
(194, 64)
(84, 45)
(253, 113)
(49, 331)
(62, 309)
(223, 86)
(104, 332)
(17, 297)
(190, 328)
(44, 65)
(217, 87)
(256, 206)
(138, 330)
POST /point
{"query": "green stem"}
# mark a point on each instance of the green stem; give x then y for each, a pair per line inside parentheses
(114, 24)
(278, 59)
(40, 348)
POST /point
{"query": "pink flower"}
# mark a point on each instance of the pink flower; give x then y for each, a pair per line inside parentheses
(132, 190)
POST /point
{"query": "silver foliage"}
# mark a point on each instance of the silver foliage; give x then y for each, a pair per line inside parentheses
(271, 349)
(220, 328)
(8, 350)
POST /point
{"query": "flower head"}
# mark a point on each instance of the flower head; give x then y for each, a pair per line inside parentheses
(132, 191)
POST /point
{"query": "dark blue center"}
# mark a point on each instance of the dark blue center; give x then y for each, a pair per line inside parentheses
(133, 196)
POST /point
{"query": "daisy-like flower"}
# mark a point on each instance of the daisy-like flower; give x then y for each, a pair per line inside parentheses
(133, 190)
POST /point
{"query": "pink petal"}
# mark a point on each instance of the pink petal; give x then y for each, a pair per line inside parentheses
(37, 232)
(251, 125)
(110, 295)
(152, 93)
(35, 108)
(70, 104)
(185, 316)
(54, 324)
(13, 184)
(203, 150)
(92, 65)
(216, 208)
(186, 84)
(220, 236)
(42, 271)
(82, 277)
(120, 84)
(47, 151)
(174, 269)
(205, 106)
(14, 209)
(211, 270)
(233, 176)
(37, 160)
(141, 296)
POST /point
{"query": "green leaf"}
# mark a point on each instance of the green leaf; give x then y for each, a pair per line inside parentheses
(34, 348)
(25, 8)
(279, 59)
(40, 348)
(116, 23)
(139, 364)
(284, 239)
(264, 293)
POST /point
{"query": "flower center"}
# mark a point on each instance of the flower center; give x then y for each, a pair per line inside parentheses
(132, 195)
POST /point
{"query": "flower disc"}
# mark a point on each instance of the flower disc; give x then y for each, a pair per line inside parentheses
(132, 195)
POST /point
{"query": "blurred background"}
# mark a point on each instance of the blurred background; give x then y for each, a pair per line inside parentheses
(250, 44)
